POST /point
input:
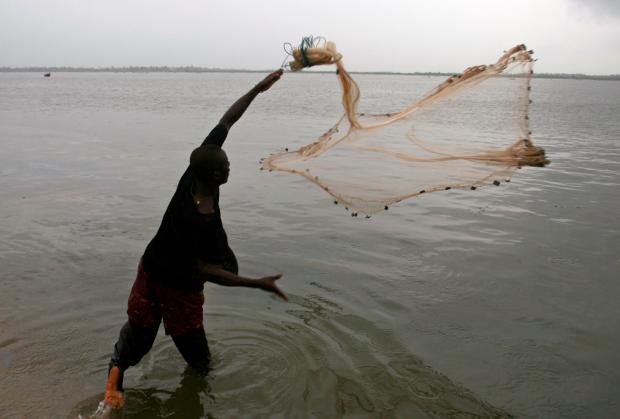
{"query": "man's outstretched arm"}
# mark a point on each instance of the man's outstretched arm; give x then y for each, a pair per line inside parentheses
(233, 114)
(217, 275)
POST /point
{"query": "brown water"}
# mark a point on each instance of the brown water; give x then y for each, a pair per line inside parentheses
(495, 302)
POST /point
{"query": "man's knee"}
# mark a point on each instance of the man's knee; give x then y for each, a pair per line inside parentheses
(133, 343)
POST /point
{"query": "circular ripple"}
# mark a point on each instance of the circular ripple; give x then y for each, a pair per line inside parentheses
(313, 358)
(306, 358)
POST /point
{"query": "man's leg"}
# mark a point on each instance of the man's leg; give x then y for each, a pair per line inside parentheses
(183, 321)
(194, 348)
(136, 336)
(133, 343)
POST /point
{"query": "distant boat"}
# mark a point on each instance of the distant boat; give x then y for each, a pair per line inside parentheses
(47, 74)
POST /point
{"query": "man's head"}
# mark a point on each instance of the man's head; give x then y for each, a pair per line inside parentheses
(210, 164)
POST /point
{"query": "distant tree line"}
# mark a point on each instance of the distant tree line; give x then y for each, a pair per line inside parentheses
(131, 69)
(193, 69)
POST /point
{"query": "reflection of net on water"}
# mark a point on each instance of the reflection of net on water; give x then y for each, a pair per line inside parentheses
(471, 130)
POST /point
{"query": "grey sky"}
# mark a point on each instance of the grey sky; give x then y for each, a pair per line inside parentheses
(569, 36)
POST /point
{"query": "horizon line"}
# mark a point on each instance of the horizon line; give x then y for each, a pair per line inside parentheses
(197, 69)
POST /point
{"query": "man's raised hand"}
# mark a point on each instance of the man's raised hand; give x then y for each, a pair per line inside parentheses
(268, 81)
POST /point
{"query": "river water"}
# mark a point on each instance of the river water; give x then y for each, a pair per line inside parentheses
(493, 303)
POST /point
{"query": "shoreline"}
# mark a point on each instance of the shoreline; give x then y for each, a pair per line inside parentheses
(189, 69)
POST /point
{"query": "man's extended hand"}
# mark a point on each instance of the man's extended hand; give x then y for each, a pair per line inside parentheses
(237, 109)
(268, 81)
(268, 283)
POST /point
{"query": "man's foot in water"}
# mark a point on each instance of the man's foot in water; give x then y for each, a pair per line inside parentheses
(113, 396)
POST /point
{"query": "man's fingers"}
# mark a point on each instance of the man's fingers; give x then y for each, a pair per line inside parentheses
(268, 81)
(275, 76)
(280, 293)
(268, 283)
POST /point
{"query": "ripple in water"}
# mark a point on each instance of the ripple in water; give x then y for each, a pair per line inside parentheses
(311, 359)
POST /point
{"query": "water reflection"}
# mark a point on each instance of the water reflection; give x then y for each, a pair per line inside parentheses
(187, 401)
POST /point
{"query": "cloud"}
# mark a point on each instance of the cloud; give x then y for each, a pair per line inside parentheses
(600, 9)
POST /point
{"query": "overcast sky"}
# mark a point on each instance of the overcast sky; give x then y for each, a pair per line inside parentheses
(570, 36)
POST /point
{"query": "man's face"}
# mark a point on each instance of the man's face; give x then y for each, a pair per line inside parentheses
(225, 173)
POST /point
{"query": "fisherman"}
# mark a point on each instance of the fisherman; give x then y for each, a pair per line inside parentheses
(189, 249)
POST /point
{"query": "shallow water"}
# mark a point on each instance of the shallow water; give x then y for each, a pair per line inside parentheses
(495, 302)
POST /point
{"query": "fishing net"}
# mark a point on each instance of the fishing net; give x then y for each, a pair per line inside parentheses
(471, 130)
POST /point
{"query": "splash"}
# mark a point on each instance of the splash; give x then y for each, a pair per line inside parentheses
(103, 411)
(471, 130)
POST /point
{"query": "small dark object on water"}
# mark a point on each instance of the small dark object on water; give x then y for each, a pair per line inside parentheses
(448, 188)
(496, 182)
(47, 74)
(473, 188)
(286, 149)
(422, 191)
(336, 202)
(507, 180)
(386, 208)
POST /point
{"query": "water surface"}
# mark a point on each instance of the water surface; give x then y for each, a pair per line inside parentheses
(495, 302)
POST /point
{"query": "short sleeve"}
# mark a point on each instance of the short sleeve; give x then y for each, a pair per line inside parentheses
(217, 135)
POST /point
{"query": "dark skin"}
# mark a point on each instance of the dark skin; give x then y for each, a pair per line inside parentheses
(205, 194)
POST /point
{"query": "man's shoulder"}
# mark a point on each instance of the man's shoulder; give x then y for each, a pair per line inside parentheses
(217, 136)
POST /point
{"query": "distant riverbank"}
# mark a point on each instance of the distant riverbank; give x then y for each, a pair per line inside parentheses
(191, 69)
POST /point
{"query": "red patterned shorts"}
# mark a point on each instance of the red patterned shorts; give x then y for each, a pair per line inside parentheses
(149, 302)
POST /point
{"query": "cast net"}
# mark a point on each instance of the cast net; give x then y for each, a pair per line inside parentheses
(469, 131)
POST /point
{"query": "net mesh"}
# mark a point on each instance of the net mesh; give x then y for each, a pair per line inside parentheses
(471, 130)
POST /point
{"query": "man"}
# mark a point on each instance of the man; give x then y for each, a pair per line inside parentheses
(189, 249)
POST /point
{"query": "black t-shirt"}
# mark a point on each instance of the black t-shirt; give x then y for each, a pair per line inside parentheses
(186, 236)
